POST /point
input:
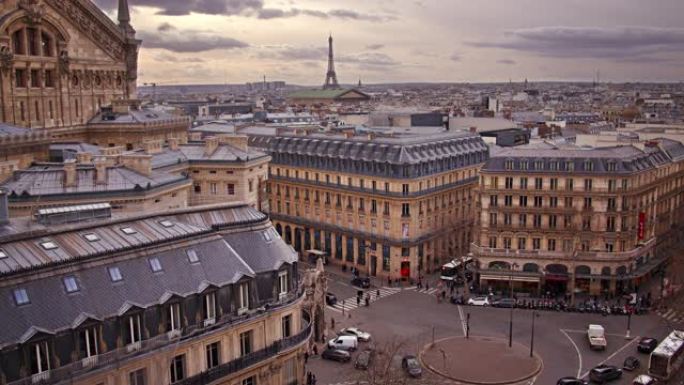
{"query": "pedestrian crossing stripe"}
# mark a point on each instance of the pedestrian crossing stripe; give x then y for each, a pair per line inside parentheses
(430, 291)
(350, 303)
(671, 315)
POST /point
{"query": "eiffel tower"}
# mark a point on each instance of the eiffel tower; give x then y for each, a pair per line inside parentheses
(330, 76)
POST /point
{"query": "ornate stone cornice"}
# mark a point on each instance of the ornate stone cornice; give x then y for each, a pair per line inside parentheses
(91, 25)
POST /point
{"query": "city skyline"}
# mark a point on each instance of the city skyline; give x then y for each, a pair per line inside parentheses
(230, 41)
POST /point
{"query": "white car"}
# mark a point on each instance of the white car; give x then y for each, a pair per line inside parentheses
(644, 379)
(478, 301)
(360, 334)
(348, 343)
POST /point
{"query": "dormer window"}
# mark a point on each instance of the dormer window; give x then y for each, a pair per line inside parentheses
(612, 166)
(70, 284)
(282, 283)
(115, 274)
(243, 297)
(509, 165)
(39, 357)
(91, 237)
(569, 166)
(174, 321)
(21, 297)
(209, 308)
(129, 230)
(48, 245)
(588, 165)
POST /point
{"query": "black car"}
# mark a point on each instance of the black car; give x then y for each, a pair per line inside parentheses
(647, 345)
(362, 282)
(363, 360)
(571, 381)
(631, 363)
(504, 302)
(411, 366)
(330, 299)
(336, 355)
(605, 373)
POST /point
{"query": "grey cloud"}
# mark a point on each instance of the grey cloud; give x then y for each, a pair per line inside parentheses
(320, 54)
(375, 47)
(506, 61)
(185, 7)
(189, 41)
(169, 58)
(272, 13)
(165, 27)
(573, 42)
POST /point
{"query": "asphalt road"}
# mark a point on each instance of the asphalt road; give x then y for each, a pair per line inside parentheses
(412, 318)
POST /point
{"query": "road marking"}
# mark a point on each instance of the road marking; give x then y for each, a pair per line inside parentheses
(350, 303)
(585, 332)
(579, 355)
(463, 321)
(612, 355)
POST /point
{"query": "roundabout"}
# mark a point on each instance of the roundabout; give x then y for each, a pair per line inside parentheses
(480, 360)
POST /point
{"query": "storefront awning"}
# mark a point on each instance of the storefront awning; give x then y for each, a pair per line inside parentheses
(508, 278)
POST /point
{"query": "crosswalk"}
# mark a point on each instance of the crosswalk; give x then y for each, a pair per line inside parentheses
(671, 315)
(429, 291)
(350, 303)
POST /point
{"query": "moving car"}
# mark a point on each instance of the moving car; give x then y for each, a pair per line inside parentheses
(504, 302)
(647, 345)
(348, 343)
(597, 337)
(604, 373)
(358, 333)
(644, 379)
(364, 359)
(571, 381)
(362, 282)
(330, 299)
(631, 363)
(336, 355)
(411, 366)
(478, 301)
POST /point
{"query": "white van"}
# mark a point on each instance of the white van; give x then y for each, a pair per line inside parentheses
(348, 343)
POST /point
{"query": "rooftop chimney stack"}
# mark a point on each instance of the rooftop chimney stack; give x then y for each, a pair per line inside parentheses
(173, 144)
(4, 207)
(210, 145)
(140, 163)
(101, 170)
(84, 158)
(70, 178)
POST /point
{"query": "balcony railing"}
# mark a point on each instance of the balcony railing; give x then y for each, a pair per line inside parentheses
(248, 360)
(119, 356)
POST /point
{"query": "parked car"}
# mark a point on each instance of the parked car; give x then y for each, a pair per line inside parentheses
(358, 333)
(647, 345)
(571, 381)
(504, 302)
(478, 301)
(330, 299)
(605, 373)
(411, 366)
(597, 337)
(364, 359)
(362, 282)
(644, 379)
(631, 363)
(336, 355)
(348, 343)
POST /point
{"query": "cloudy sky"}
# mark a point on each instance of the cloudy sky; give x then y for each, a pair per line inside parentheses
(235, 41)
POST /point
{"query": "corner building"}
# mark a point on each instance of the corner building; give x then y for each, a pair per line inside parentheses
(575, 220)
(390, 203)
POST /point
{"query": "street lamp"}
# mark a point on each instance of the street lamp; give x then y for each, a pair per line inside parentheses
(510, 322)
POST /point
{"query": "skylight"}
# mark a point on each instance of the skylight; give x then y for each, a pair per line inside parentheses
(21, 297)
(48, 245)
(128, 230)
(91, 237)
(3, 255)
(70, 284)
(192, 256)
(266, 235)
(155, 265)
(166, 223)
(115, 274)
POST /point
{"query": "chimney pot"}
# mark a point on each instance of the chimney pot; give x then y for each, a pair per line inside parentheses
(70, 177)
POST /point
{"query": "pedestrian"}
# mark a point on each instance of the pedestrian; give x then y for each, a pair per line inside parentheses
(306, 357)
(420, 283)
(358, 301)
(332, 323)
(315, 350)
(389, 281)
(368, 300)
(313, 379)
(377, 293)
(427, 286)
(309, 378)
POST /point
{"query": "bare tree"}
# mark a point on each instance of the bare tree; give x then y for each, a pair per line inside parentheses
(385, 366)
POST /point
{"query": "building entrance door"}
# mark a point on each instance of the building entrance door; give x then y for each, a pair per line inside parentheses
(405, 269)
(374, 265)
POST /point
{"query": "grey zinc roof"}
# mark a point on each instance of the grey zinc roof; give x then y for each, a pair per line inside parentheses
(49, 180)
(224, 152)
(137, 116)
(260, 254)
(6, 129)
(625, 158)
(52, 309)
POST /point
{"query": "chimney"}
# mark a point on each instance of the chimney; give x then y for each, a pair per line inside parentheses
(173, 144)
(100, 170)
(112, 151)
(473, 130)
(371, 136)
(153, 146)
(237, 141)
(70, 177)
(4, 207)
(84, 157)
(121, 106)
(140, 163)
(210, 145)
(195, 136)
(348, 134)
